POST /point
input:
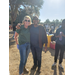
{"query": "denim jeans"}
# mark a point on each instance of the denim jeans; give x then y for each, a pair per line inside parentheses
(36, 51)
(24, 50)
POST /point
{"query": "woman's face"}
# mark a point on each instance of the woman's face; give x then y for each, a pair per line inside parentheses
(27, 22)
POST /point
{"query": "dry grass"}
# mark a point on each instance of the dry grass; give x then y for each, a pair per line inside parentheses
(47, 61)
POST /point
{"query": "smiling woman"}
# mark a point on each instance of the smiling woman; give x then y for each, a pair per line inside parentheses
(23, 43)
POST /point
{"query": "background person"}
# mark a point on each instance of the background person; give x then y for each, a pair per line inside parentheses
(60, 44)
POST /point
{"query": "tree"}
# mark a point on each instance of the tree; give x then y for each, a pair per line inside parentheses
(15, 5)
(13, 8)
(53, 22)
(21, 15)
(56, 22)
(61, 20)
(23, 12)
(47, 21)
(31, 11)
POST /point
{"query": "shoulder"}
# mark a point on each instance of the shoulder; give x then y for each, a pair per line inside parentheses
(30, 25)
(41, 26)
(58, 29)
(42, 29)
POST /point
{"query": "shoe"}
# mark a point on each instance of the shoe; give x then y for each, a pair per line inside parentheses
(54, 64)
(25, 70)
(21, 74)
(39, 71)
(61, 66)
(34, 67)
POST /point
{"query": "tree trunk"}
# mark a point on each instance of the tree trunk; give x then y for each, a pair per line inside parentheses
(12, 23)
(13, 13)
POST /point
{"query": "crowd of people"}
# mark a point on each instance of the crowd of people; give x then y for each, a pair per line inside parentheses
(33, 36)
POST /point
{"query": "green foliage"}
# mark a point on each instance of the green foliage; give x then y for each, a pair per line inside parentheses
(20, 16)
(31, 7)
(30, 12)
(54, 22)
(47, 21)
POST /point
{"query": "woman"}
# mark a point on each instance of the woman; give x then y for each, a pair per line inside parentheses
(60, 44)
(24, 42)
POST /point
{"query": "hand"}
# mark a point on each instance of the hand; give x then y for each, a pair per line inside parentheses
(58, 36)
(17, 43)
(18, 26)
(63, 34)
(45, 48)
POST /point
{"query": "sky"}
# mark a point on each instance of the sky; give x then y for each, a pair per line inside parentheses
(52, 10)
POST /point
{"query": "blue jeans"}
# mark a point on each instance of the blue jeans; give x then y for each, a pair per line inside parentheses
(36, 51)
(24, 50)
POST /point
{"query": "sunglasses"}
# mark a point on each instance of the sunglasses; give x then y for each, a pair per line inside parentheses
(35, 19)
(27, 20)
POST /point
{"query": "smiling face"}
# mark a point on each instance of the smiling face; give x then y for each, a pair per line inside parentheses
(35, 20)
(27, 22)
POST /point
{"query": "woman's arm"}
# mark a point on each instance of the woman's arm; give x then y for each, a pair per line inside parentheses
(58, 36)
(18, 26)
(16, 34)
(63, 34)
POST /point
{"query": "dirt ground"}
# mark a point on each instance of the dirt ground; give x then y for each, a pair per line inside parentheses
(46, 65)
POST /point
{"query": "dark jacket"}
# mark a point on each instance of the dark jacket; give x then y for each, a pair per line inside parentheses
(42, 36)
